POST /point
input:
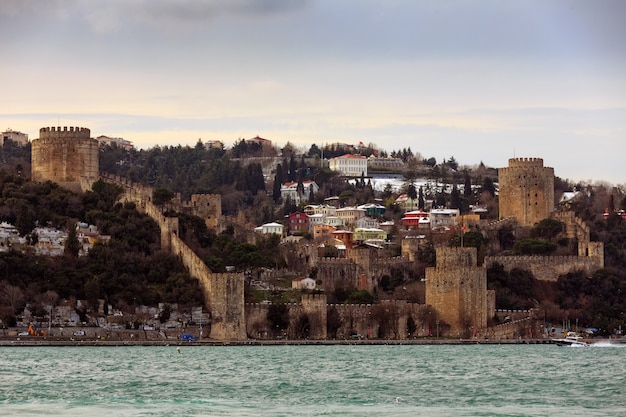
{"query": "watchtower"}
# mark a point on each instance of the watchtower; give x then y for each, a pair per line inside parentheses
(526, 190)
(457, 289)
(67, 156)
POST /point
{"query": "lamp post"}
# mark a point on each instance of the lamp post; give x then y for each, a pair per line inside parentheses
(437, 322)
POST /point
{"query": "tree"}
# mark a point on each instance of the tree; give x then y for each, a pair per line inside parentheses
(161, 196)
(547, 229)
(72, 245)
(278, 317)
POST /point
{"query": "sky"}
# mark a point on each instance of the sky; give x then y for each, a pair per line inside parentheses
(480, 81)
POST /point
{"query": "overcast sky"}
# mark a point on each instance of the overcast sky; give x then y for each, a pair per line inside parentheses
(477, 80)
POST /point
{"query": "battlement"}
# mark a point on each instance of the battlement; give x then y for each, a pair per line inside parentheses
(456, 257)
(330, 260)
(67, 132)
(525, 162)
(549, 268)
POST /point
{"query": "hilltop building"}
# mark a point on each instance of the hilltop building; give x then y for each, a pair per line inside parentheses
(349, 165)
(17, 137)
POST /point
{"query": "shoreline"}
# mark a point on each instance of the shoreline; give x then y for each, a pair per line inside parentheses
(34, 342)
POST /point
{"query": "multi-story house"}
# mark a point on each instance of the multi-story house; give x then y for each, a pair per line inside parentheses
(366, 223)
(270, 228)
(298, 223)
(416, 219)
(349, 165)
(349, 215)
(443, 218)
(297, 194)
(406, 203)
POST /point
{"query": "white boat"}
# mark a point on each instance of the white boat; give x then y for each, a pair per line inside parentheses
(571, 339)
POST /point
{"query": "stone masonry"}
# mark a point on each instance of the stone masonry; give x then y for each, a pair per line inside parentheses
(68, 156)
(526, 190)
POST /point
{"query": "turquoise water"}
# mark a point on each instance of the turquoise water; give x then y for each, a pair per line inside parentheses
(476, 380)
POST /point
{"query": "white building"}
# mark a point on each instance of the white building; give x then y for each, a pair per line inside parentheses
(106, 140)
(349, 165)
(303, 284)
(315, 220)
(443, 218)
(366, 223)
(270, 228)
(290, 190)
(333, 221)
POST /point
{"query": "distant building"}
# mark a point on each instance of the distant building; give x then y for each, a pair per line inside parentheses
(17, 137)
(297, 194)
(303, 284)
(345, 236)
(366, 223)
(385, 163)
(373, 210)
(406, 203)
(10, 238)
(444, 218)
(298, 223)
(214, 144)
(270, 228)
(363, 234)
(349, 165)
(349, 215)
(416, 219)
(259, 140)
(106, 140)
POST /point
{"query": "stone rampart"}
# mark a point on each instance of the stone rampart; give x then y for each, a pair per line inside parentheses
(223, 293)
(547, 268)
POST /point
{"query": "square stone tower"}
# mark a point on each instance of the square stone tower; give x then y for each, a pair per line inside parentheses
(457, 289)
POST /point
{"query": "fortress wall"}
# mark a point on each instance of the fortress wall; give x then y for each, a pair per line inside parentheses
(548, 268)
(337, 273)
(223, 293)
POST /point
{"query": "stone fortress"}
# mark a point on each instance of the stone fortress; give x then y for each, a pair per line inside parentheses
(68, 156)
(455, 289)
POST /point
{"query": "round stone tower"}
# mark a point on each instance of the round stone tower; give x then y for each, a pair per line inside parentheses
(526, 190)
(68, 157)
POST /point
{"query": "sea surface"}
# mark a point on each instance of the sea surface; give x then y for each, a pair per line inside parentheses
(466, 380)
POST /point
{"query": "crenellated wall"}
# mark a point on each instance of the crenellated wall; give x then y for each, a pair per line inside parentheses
(548, 268)
(68, 156)
(354, 318)
(223, 293)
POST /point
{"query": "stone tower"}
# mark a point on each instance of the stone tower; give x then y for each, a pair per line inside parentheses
(457, 289)
(68, 157)
(526, 190)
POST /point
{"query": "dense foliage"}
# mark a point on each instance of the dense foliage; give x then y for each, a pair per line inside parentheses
(129, 270)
